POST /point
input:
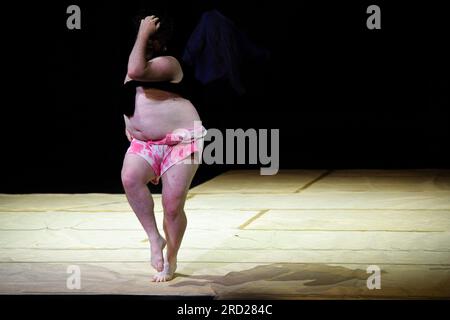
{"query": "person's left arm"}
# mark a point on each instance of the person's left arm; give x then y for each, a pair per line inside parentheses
(164, 68)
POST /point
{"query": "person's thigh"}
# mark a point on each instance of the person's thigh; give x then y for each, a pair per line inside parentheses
(135, 169)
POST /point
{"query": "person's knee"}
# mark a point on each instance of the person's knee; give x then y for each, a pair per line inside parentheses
(173, 206)
(131, 179)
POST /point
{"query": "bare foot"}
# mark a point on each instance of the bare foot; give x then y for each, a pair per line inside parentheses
(157, 247)
(168, 273)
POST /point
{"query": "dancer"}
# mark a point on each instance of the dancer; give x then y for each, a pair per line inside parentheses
(166, 139)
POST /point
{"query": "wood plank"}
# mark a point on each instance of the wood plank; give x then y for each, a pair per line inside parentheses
(102, 239)
(383, 182)
(251, 181)
(55, 202)
(353, 220)
(230, 256)
(197, 219)
(232, 239)
(320, 200)
(232, 281)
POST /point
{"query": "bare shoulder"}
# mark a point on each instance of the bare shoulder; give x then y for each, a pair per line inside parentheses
(163, 68)
(169, 59)
(169, 63)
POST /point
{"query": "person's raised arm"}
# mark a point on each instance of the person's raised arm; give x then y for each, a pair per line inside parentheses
(137, 62)
(158, 69)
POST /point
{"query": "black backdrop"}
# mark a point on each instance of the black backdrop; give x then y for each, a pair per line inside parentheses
(342, 96)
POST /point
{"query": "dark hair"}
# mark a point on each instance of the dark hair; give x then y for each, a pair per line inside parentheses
(165, 31)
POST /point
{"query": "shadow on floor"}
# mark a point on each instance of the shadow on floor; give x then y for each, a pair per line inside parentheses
(312, 274)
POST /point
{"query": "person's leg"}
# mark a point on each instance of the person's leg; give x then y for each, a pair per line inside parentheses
(176, 181)
(136, 173)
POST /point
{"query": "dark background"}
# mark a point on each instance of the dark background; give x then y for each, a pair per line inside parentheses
(342, 96)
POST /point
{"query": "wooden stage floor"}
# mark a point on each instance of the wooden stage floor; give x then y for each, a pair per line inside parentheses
(301, 234)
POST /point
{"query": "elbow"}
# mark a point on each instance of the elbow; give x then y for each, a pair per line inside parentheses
(135, 73)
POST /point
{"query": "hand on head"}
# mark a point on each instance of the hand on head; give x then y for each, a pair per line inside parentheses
(149, 26)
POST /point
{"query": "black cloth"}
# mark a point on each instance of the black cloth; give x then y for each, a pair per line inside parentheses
(217, 49)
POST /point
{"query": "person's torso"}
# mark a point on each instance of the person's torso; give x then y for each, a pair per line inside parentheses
(159, 112)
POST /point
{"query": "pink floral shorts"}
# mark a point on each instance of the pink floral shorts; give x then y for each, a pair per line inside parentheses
(176, 147)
